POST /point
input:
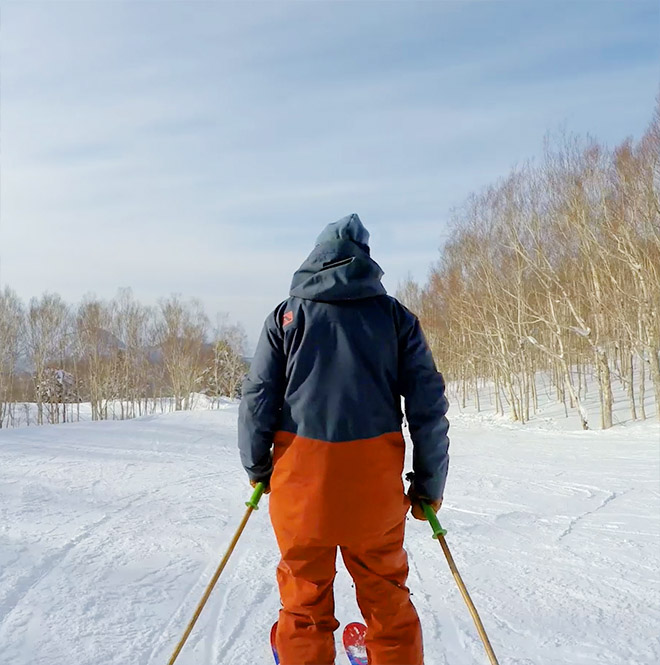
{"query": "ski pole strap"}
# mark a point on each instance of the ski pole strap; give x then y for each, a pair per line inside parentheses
(256, 496)
(433, 521)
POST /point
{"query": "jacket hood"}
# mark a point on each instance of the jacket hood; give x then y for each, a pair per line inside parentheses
(339, 267)
(347, 228)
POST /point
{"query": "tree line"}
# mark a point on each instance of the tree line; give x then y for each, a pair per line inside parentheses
(123, 358)
(554, 268)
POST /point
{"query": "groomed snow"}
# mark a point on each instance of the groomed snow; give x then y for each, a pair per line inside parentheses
(110, 531)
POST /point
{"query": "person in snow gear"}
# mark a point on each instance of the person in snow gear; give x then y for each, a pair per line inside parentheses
(320, 424)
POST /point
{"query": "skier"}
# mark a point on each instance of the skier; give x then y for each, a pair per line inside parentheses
(320, 425)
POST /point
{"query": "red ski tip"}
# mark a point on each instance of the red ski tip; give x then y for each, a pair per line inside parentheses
(354, 643)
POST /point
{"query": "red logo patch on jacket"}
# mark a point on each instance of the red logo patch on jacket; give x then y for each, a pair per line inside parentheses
(287, 318)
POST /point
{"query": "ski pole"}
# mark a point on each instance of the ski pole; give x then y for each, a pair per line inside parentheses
(439, 534)
(252, 504)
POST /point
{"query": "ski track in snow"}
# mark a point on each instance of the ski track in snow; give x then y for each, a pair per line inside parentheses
(110, 532)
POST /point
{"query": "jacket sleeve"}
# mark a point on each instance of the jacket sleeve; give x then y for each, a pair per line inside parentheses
(423, 390)
(261, 403)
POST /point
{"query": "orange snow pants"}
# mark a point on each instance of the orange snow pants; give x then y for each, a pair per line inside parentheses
(349, 496)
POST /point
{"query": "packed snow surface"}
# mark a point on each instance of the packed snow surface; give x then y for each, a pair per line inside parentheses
(110, 531)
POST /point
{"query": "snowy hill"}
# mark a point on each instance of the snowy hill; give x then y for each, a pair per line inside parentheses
(110, 531)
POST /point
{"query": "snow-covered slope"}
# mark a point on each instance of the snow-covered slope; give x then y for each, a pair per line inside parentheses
(110, 531)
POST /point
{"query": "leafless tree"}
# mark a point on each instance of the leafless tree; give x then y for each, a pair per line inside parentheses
(11, 330)
(47, 339)
(226, 365)
(556, 268)
(181, 335)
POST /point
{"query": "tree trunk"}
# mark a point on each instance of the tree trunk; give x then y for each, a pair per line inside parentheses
(580, 409)
(605, 382)
(628, 362)
(654, 367)
(642, 386)
(512, 398)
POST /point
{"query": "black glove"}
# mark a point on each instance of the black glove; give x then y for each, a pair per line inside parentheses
(416, 500)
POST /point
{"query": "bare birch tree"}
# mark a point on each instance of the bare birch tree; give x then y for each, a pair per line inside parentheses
(11, 330)
(47, 340)
(181, 335)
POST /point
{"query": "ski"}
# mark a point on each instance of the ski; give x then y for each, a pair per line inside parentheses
(273, 646)
(353, 638)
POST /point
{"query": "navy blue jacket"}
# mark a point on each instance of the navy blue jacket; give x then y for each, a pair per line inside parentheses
(334, 360)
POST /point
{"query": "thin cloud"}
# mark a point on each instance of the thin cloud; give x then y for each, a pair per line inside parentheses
(201, 151)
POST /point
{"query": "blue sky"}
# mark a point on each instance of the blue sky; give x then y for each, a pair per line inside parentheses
(199, 147)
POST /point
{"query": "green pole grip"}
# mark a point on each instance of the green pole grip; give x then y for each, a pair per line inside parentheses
(256, 495)
(433, 521)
